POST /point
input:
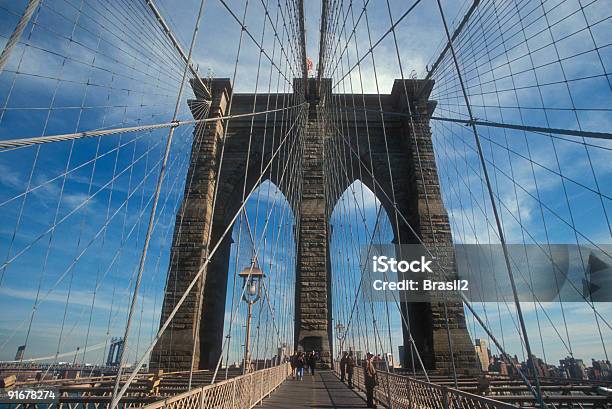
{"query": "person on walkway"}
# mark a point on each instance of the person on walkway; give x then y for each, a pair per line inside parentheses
(300, 363)
(350, 368)
(312, 362)
(293, 361)
(370, 379)
(343, 366)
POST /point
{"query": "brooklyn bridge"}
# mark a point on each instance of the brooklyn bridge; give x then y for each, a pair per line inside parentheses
(192, 194)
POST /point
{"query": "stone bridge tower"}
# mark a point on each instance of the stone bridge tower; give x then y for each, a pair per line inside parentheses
(313, 272)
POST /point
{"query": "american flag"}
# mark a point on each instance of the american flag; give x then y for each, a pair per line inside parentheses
(308, 64)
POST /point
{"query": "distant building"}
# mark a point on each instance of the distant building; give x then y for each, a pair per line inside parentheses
(114, 352)
(541, 367)
(558, 373)
(483, 354)
(600, 370)
(574, 368)
(390, 360)
(498, 366)
(20, 352)
(502, 367)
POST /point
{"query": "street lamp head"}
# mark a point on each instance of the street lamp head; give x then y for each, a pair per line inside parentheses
(253, 271)
(340, 331)
(252, 276)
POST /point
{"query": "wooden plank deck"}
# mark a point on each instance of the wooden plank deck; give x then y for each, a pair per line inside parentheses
(321, 391)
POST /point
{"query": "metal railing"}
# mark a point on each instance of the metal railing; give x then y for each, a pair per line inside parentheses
(242, 392)
(403, 392)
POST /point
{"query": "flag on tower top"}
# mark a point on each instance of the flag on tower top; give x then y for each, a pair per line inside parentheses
(308, 64)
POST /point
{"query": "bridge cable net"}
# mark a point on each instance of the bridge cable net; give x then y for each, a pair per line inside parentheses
(103, 111)
(520, 143)
(520, 152)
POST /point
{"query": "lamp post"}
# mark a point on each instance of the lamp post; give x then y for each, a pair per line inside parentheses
(252, 277)
(340, 335)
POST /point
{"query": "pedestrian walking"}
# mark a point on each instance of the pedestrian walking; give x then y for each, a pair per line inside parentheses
(370, 379)
(293, 362)
(343, 366)
(312, 362)
(350, 368)
(300, 363)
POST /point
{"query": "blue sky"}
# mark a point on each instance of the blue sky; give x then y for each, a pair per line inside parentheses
(118, 71)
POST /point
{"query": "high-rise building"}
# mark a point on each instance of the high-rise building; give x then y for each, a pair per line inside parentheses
(114, 352)
(482, 352)
(20, 352)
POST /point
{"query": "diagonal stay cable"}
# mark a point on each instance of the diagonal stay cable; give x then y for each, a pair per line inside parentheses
(464, 298)
(196, 277)
(160, 181)
(15, 143)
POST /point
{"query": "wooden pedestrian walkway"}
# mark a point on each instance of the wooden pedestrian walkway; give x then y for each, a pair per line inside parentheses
(321, 391)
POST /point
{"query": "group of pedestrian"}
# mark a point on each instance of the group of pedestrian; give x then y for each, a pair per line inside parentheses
(347, 369)
(300, 361)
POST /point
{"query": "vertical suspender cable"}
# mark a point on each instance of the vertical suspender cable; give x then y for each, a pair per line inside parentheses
(495, 213)
(160, 180)
(417, 151)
